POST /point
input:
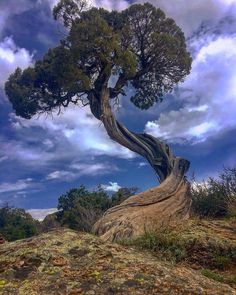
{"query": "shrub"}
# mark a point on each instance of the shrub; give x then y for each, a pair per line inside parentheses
(162, 241)
(215, 197)
(192, 242)
(212, 275)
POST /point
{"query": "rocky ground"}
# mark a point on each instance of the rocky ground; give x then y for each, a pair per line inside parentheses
(63, 261)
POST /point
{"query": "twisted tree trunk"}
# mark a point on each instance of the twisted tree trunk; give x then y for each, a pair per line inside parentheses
(170, 200)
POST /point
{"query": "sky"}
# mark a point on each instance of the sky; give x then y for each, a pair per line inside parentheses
(42, 158)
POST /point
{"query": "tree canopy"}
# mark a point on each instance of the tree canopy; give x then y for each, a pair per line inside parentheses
(102, 54)
(138, 47)
(16, 224)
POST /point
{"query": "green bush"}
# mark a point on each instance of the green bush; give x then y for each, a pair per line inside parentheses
(162, 241)
(79, 208)
(16, 224)
(215, 197)
(212, 275)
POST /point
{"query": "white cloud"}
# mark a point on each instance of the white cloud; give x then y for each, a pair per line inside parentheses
(107, 4)
(65, 175)
(3, 158)
(229, 2)
(142, 164)
(93, 169)
(19, 185)
(40, 214)
(77, 170)
(196, 186)
(208, 96)
(75, 131)
(12, 57)
(52, 3)
(110, 4)
(111, 187)
(190, 14)
(20, 195)
(18, 150)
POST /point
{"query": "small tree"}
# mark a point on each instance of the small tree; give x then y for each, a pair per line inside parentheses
(16, 224)
(80, 208)
(140, 48)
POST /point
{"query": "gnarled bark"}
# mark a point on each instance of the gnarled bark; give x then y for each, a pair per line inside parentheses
(170, 200)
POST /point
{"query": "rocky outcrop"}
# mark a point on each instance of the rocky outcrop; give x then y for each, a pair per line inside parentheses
(66, 262)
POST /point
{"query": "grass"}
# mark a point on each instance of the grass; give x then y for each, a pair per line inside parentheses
(192, 244)
(222, 278)
(163, 241)
(198, 244)
(232, 279)
(212, 275)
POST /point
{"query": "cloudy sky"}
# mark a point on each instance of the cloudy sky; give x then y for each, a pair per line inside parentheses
(42, 158)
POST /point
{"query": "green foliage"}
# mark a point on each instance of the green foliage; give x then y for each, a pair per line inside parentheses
(16, 224)
(139, 46)
(190, 245)
(222, 261)
(121, 195)
(69, 10)
(232, 279)
(46, 86)
(212, 275)
(216, 197)
(163, 242)
(80, 208)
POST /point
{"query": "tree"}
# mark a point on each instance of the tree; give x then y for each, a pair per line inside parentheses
(140, 48)
(122, 194)
(16, 224)
(79, 208)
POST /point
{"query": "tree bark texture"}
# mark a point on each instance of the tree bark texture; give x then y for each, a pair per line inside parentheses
(154, 207)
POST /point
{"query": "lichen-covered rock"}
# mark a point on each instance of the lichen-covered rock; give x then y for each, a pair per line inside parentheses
(66, 262)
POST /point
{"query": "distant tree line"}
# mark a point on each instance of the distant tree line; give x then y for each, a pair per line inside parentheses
(16, 223)
(80, 208)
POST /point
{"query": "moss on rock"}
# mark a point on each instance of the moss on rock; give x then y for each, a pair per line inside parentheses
(67, 262)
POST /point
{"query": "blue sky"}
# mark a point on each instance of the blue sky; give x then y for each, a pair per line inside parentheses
(42, 158)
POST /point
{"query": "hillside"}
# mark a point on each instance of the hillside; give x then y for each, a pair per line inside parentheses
(63, 261)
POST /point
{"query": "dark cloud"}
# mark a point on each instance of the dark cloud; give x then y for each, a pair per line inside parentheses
(33, 28)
